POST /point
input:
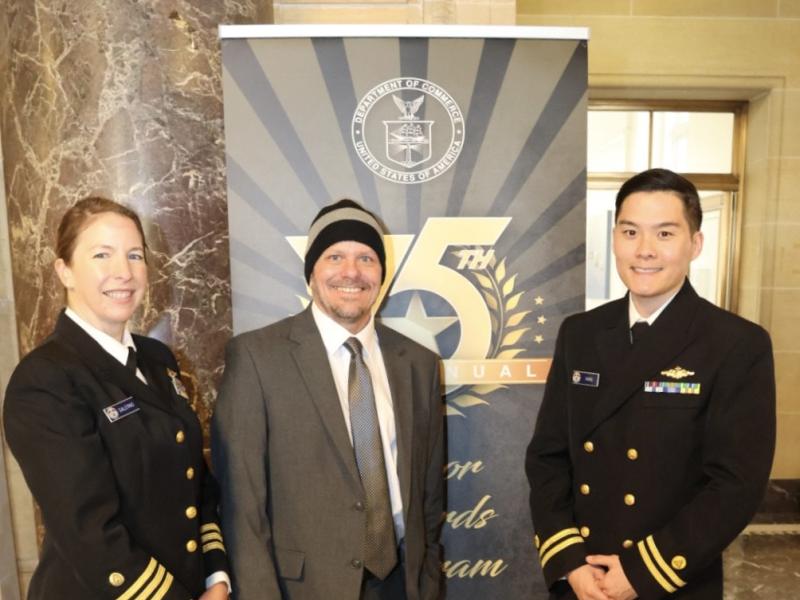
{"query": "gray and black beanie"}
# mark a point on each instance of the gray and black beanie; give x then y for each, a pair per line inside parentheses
(342, 221)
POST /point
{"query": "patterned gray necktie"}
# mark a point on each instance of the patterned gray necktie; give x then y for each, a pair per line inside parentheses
(380, 547)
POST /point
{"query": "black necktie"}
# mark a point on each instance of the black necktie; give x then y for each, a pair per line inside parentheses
(380, 547)
(638, 331)
(131, 362)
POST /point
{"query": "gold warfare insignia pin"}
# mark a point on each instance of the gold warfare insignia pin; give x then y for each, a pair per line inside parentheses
(677, 373)
(177, 384)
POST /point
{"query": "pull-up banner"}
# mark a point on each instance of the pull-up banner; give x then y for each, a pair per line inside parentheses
(470, 144)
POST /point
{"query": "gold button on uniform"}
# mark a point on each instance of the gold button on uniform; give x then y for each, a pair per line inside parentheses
(630, 499)
(633, 454)
(585, 489)
(678, 562)
(536, 541)
(190, 473)
(116, 579)
(588, 446)
(585, 532)
(627, 544)
(180, 436)
(191, 546)
(191, 512)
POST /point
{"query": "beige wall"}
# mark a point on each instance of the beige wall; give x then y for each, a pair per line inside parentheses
(463, 12)
(742, 49)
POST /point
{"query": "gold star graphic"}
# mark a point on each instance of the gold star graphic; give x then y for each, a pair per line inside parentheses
(539, 300)
(538, 339)
(417, 325)
(541, 320)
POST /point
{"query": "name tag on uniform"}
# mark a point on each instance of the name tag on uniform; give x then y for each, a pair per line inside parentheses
(120, 410)
(586, 378)
(671, 387)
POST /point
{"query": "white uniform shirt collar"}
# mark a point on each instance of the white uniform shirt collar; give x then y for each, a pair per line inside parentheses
(635, 317)
(334, 335)
(109, 344)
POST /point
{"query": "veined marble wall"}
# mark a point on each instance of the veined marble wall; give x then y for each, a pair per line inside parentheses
(10, 548)
(121, 98)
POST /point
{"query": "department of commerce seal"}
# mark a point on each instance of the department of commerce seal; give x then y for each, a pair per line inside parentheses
(408, 130)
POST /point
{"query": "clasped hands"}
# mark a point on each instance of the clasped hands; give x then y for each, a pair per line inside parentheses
(602, 578)
(218, 591)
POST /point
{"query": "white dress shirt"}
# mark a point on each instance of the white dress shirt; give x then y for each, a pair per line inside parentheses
(333, 337)
(114, 347)
(634, 316)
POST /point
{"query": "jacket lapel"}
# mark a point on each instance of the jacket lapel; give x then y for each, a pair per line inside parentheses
(398, 371)
(105, 366)
(313, 365)
(627, 367)
(157, 378)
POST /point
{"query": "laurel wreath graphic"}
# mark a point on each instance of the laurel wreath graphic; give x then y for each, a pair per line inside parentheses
(497, 288)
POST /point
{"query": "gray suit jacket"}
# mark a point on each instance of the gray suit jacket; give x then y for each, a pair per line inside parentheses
(290, 484)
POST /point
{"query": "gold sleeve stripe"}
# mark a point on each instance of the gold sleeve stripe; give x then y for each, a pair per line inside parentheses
(653, 570)
(133, 588)
(651, 544)
(559, 547)
(213, 546)
(557, 536)
(154, 583)
(162, 591)
(210, 527)
(213, 535)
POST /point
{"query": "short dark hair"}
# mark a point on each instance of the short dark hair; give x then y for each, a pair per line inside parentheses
(664, 180)
(78, 218)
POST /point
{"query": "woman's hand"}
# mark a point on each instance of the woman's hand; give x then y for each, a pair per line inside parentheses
(218, 591)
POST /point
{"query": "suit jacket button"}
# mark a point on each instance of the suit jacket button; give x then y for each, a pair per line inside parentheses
(116, 579)
(627, 544)
(180, 436)
(585, 489)
(191, 546)
(356, 564)
(630, 499)
(633, 454)
(585, 532)
(536, 541)
(359, 506)
(588, 446)
(190, 473)
(191, 512)
(678, 562)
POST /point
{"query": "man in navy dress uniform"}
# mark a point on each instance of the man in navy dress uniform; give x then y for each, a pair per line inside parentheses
(654, 442)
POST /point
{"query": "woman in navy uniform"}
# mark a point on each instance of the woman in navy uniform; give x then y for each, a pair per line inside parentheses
(100, 424)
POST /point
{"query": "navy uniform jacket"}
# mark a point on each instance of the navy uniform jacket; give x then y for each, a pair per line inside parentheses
(128, 505)
(659, 453)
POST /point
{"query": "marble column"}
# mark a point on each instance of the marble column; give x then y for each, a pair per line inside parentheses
(22, 546)
(122, 98)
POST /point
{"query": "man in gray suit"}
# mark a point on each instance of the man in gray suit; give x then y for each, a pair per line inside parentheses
(327, 438)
